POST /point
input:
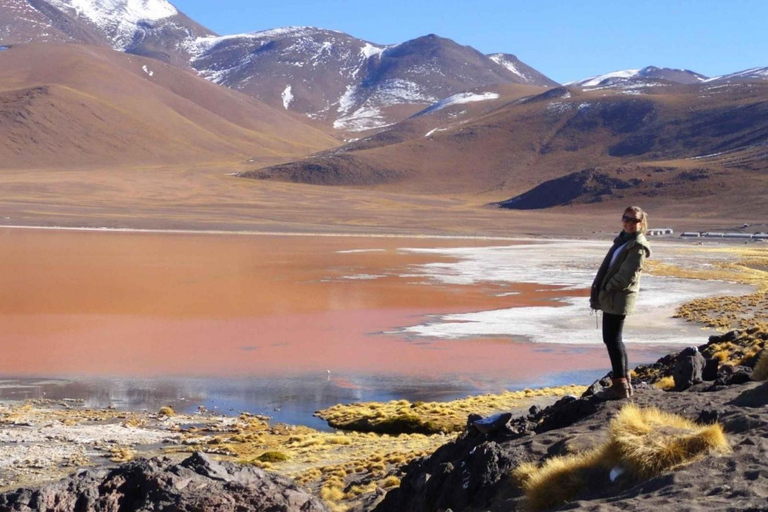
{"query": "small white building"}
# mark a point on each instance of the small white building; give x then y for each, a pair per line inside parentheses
(694, 234)
(660, 231)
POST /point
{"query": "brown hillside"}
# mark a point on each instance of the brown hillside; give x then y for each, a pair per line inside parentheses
(70, 105)
(722, 132)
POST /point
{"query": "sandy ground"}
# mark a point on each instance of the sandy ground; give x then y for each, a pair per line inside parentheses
(208, 197)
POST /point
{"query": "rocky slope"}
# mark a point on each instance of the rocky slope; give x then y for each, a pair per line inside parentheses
(475, 471)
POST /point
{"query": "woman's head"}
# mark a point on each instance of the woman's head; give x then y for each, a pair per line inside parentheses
(635, 220)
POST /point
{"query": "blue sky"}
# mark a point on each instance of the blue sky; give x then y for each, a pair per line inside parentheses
(566, 40)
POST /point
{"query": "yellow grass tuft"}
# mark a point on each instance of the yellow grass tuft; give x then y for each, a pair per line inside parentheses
(644, 442)
(331, 493)
(559, 479)
(122, 454)
(761, 368)
(390, 481)
(649, 441)
(665, 383)
(167, 411)
(401, 416)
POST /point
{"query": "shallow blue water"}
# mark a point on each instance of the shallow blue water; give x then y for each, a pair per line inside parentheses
(291, 400)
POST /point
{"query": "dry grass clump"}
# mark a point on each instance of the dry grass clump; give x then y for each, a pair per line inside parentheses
(726, 312)
(643, 442)
(401, 416)
(166, 411)
(743, 350)
(665, 383)
(272, 457)
(761, 368)
(122, 454)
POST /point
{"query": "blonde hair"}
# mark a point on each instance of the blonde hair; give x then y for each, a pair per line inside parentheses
(643, 217)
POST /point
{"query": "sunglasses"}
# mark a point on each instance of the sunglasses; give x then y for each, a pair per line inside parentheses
(633, 220)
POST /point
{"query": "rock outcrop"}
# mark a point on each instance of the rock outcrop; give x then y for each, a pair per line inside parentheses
(195, 484)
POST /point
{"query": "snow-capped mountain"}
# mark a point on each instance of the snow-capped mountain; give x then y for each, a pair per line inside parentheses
(118, 19)
(332, 77)
(354, 84)
(637, 78)
(154, 28)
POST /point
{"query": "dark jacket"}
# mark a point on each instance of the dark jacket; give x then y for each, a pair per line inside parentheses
(615, 288)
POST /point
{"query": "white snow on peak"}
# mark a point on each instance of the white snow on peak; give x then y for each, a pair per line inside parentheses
(370, 50)
(147, 70)
(287, 96)
(462, 97)
(501, 59)
(595, 80)
(292, 31)
(118, 18)
(747, 73)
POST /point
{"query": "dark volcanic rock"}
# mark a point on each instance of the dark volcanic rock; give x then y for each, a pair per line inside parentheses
(728, 375)
(710, 369)
(196, 484)
(755, 397)
(689, 368)
(461, 474)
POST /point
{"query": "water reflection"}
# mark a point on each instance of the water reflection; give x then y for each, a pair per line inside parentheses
(290, 400)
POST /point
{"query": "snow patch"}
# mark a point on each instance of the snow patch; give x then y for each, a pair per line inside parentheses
(759, 73)
(347, 100)
(435, 130)
(287, 97)
(118, 18)
(596, 80)
(501, 59)
(364, 118)
(147, 70)
(370, 50)
(461, 98)
(396, 91)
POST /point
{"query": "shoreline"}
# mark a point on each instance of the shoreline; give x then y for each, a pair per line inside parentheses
(596, 236)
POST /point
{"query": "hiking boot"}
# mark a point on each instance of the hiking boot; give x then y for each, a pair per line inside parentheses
(620, 389)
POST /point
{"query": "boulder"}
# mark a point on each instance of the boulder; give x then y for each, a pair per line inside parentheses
(689, 368)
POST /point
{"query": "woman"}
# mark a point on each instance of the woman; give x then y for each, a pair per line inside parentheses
(614, 291)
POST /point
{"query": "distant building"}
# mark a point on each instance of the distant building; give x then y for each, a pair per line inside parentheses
(694, 234)
(660, 231)
(737, 235)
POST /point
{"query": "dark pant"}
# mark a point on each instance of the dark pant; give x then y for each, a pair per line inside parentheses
(612, 327)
